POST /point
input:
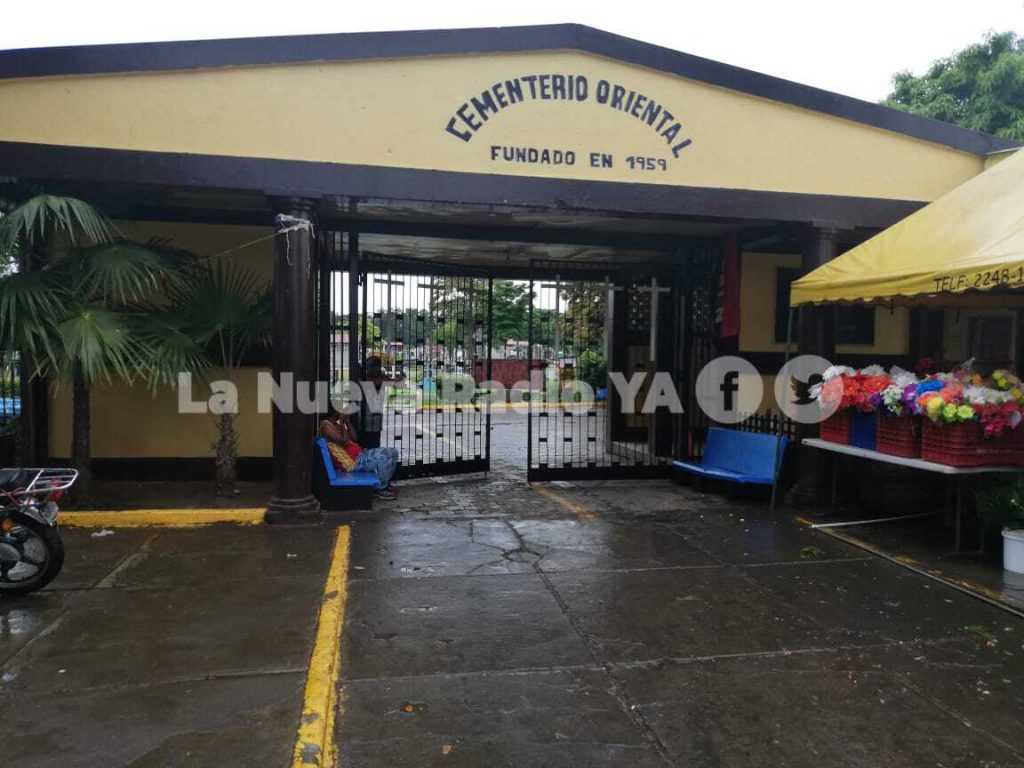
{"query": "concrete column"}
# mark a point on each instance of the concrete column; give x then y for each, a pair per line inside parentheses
(294, 345)
(816, 336)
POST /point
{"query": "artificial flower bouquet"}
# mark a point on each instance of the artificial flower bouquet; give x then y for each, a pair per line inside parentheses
(854, 397)
(962, 402)
(851, 390)
(835, 394)
(899, 428)
(969, 420)
(963, 397)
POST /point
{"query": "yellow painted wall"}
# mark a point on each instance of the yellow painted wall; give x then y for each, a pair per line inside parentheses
(210, 241)
(129, 421)
(757, 318)
(757, 312)
(394, 113)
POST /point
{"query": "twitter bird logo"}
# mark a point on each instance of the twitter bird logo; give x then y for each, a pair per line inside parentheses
(802, 390)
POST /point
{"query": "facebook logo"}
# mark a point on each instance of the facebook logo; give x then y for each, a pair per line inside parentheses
(729, 389)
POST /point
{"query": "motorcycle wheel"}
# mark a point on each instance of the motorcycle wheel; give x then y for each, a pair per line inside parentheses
(43, 551)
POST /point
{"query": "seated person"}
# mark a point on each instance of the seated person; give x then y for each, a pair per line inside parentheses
(371, 419)
(349, 456)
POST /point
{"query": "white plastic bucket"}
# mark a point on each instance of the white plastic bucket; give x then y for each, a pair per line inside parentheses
(1013, 550)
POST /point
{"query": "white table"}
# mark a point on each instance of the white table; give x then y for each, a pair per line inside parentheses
(921, 464)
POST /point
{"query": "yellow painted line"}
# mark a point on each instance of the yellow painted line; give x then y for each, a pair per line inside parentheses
(170, 518)
(975, 590)
(572, 506)
(972, 587)
(314, 743)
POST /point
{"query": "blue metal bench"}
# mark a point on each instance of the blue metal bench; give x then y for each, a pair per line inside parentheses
(340, 491)
(747, 458)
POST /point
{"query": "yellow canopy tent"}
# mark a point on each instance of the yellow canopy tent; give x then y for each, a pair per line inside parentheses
(957, 251)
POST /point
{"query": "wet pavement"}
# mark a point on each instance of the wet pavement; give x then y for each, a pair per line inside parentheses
(489, 624)
(928, 544)
(641, 624)
(163, 648)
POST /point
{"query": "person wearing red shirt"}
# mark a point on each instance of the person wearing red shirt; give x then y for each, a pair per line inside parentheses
(348, 456)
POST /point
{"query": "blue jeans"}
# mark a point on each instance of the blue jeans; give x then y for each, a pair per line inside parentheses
(380, 461)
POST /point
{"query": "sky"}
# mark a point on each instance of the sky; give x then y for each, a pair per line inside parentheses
(852, 48)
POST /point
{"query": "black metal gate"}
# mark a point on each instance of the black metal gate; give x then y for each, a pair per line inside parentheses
(430, 326)
(698, 289)
(585, 330)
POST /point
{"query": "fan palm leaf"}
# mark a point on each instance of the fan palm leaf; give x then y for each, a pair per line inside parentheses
(35, 220)
(166, 333)
(226, 308)
(100, 340)
(116, 273)
(31, 306)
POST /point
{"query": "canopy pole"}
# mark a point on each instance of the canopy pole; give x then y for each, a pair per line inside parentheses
(782, 415)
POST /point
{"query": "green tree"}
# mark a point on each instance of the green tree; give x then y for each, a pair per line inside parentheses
(71, 308)
(511, 311)
(208, 322)
(980, 87)
(583, 321)
(593, 368)
(373, 331)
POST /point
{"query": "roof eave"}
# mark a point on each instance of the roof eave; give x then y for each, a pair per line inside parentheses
(204, 54)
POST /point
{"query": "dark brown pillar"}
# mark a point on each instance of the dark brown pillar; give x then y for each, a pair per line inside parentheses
(816, 336)
(294, 346)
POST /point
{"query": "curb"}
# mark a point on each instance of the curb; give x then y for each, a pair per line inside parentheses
(169, 518)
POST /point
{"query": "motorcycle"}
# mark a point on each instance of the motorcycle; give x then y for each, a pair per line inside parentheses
(31, 549)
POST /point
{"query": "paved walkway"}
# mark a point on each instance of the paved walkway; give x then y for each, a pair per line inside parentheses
(163, 648)
(639, 624)
(493, 624)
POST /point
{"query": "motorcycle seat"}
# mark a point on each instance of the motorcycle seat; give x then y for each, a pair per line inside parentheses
(13, 479)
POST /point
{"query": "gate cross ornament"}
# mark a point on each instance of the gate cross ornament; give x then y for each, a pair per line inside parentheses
(557, 285)
(655, 290)
(389, 315)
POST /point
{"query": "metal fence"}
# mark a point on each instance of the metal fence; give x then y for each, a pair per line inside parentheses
(10, 406)
(767, 423)
(10, 392)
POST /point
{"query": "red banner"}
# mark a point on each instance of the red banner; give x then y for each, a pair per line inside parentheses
(729, 290)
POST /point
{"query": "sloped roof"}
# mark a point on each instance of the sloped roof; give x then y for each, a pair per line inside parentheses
(968, 242)
(202, 54)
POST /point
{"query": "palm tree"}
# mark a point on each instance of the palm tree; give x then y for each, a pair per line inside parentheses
(212, 318)
(71, 308)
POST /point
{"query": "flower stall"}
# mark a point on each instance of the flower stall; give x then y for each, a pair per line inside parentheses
(959, 418)
(965, 249)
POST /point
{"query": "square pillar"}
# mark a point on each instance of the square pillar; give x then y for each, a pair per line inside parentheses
(816, 336)
(294, 352)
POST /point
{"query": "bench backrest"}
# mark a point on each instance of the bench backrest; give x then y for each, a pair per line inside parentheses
(332, 473)
(747, 453)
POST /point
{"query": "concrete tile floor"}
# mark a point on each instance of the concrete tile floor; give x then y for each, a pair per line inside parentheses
(487, 625)
(672, 630)
(163, 648)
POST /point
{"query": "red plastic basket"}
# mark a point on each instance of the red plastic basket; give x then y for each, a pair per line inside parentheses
(836, 428)
(965, 445)
(899, 436)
